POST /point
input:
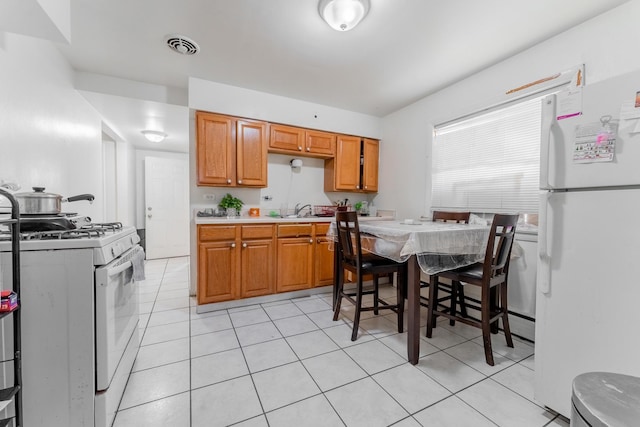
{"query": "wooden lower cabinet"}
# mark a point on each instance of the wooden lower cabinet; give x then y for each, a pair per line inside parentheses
(218, 271)
(295, 257)
(323, 257)
(243, 261)
(258, 253)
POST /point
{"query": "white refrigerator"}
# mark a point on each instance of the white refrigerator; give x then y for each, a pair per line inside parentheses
(588, 281)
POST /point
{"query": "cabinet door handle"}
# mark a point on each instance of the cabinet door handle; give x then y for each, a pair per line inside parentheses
(365, 187)
(244, 245)
(357, 187)
(308, 149)
(319, 241)
(233, 245)
(239, 181)
(310, 240)
(299, 148)
(229, 181)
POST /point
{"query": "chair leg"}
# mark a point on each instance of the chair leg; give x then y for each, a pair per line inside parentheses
(463, 306)
(485, 313)
(495, 328)
(338, 298)
(376, 296)
(356, 317)
(401, 280)
(433, 300)
(505, 314)
(452, 301)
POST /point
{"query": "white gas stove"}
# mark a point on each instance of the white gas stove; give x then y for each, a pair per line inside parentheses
(108, 240)
(79, 307)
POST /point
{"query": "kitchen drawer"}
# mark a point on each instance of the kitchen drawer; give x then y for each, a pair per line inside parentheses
(257, 231)
(322, 229)
(211, 233)
(294, 230)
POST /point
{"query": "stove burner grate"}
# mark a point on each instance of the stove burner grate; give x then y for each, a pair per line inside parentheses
(83, 232)
(63, 234)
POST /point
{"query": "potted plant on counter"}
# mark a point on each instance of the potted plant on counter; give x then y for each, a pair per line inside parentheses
(232, 205)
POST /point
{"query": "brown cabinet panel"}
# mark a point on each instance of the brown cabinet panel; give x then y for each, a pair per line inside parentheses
(257, 231)
(294, 230)
(299, 141)
(218, 268)
(287, 139)
(251, 139)
(355, 166)
(231, 152)
(258, 268)
(371, 154)
(342, 173)
(295, 264)
(323, 269)
(321, 143)
(208, 233)
(322, 228)
(216, 149)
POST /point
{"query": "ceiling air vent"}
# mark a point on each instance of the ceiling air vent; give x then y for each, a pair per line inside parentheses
(182, 44)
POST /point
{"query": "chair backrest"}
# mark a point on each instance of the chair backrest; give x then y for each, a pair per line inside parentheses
(349, 243)
(459, 217)
(501, 237)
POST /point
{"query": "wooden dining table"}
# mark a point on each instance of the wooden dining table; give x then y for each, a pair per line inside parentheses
(426, 246)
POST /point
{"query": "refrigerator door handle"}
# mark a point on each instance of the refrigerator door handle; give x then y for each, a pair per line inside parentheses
(547, 121)
(544, 253)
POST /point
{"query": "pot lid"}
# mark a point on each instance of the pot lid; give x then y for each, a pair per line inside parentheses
(38, 192)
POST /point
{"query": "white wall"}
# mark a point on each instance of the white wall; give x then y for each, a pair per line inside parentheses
(49, 135)
(607, 45)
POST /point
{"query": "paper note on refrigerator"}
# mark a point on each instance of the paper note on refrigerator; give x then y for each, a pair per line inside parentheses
(595, 143)
(569, 103)
(629, 118)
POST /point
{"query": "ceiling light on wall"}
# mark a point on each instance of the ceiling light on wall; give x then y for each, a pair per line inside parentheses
(154, 135)
(343, 15)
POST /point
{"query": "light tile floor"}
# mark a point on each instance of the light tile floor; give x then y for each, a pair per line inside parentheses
(287, 363)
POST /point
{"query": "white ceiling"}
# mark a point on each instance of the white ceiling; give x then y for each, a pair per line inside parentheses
(402, 51)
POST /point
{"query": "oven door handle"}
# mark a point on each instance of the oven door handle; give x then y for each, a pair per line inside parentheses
(119, 269)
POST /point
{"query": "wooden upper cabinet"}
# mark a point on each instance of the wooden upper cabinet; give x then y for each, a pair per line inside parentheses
(216, 149)
(320, 143)
(371, 157)
(286, 139)
(293, 140)
(252, 150)
(231, 152)
(342, 173)
(354, 167)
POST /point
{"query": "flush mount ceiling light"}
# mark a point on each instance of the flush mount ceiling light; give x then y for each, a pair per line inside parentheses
(154, 135)
(343, 15)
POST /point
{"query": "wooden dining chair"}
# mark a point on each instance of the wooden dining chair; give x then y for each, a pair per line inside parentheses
(352, 258)
(491, 276)
(460, 218)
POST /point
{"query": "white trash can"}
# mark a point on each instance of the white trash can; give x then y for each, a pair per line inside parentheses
(605, 399)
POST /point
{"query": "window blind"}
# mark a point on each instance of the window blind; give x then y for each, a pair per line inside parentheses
(489, 163)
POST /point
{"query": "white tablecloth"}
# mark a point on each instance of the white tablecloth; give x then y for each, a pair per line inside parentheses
(438, 246)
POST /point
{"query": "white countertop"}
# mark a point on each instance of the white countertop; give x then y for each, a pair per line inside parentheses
(274, 220)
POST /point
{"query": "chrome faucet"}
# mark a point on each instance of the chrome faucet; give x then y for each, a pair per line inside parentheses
(299, 209)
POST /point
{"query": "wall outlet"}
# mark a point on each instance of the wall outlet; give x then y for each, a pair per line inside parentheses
(267, 197)
(210, 197)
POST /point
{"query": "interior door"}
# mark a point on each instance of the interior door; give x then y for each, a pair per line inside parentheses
(166, 207)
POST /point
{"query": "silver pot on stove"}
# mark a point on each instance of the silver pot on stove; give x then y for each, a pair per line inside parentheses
(40, 203)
